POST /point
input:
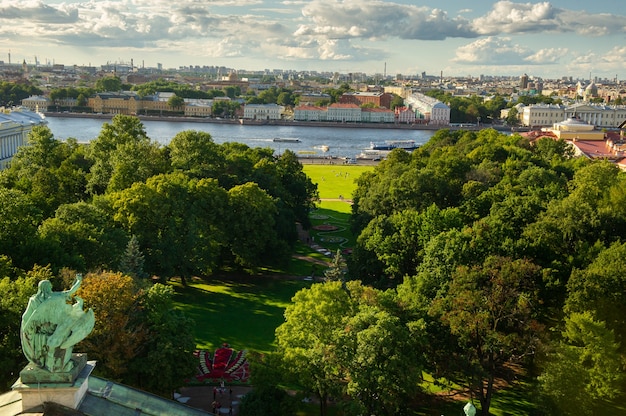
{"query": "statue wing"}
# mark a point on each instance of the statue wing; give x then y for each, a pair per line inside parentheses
(81, 328)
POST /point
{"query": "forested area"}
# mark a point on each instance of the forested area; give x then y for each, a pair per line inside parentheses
(128, 212)
(483, 260)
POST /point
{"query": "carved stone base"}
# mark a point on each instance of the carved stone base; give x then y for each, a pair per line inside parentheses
(35, 374)
(44, 386)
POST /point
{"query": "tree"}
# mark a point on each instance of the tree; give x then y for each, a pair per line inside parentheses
(15, 290)
(51, 172)
(132, 261)
(600, 289)
(512, 118)
(584, 369)
(122, 154)
(118, 335)
(19, 219)
(179, 222)
(382, 360)
(308, 340)
(82, 236)
(336, 270)
(196, 154)
(166, 357)
(251, 224)
(110, 83)
(490, 311)
(175, 102)
(268, 400)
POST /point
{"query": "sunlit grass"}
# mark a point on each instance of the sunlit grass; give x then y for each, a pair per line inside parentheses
(334, 181)
(242, 312)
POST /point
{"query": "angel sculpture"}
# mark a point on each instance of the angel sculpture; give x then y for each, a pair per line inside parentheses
(51, 326)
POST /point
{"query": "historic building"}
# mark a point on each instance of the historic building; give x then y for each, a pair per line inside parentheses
(600, 116)
(377, 115)
(36, 103)
(429, 110)
(345, 113)
(263, 111)
(379, 99)
(15, 125)
(404, 115)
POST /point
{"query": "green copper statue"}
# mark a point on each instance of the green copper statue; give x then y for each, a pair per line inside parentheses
(51, 326)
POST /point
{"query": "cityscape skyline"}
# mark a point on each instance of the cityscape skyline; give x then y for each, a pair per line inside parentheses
(543, 39)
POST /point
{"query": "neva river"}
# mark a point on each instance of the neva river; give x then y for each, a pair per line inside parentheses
(341, 141)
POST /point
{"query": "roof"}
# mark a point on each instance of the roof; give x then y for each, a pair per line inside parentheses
(104, 398)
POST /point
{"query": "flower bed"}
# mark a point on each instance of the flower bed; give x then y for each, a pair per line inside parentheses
(318, 217)
(332, 239)
(325, 227)
(226, 364)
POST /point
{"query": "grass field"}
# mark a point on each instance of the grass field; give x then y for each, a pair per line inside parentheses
(334, 181)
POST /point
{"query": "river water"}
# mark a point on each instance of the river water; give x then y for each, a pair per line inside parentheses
(341, 141)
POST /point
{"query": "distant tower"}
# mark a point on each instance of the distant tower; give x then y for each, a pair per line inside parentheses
(523, 82)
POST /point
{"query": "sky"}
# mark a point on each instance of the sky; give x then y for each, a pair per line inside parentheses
(547, 39)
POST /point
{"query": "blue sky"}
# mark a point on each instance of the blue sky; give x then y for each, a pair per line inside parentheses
(549, 39)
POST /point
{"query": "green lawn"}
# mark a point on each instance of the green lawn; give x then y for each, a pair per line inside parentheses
(243, 312)
(334, 181)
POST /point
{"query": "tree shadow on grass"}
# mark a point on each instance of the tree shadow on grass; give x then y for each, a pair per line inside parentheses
(242, 313)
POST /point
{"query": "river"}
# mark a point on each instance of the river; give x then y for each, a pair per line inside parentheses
(341, 141)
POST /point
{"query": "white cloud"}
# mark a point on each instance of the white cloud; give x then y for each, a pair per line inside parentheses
(502, 51)
(509, 17)
(379, 20)
(492, 51)
(547, 56)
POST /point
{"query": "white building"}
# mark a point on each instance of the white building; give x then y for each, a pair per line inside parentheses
(377, 115)
(15, 125)
(309, 113)
(541, 115)
(600, 116)
(263, 111)
(345, 113)
(429, 109)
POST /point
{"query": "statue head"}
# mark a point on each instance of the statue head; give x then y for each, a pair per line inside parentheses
(45, 288)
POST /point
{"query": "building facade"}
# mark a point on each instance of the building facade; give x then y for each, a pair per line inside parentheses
(600, 116)
(36, 103)
(379, 99)
(428, 109)
(15, 125)
(263, 111)
(344, 113)
(377, 115)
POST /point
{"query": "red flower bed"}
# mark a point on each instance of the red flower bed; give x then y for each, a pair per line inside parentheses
(225, 364)
(325, 227)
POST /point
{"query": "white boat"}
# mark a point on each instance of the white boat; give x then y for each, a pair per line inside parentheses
(407, 145)
(369, 154)
(324, 148)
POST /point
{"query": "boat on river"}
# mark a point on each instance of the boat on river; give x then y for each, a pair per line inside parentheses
(286, 140)
(388, 145)
(370, 154)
